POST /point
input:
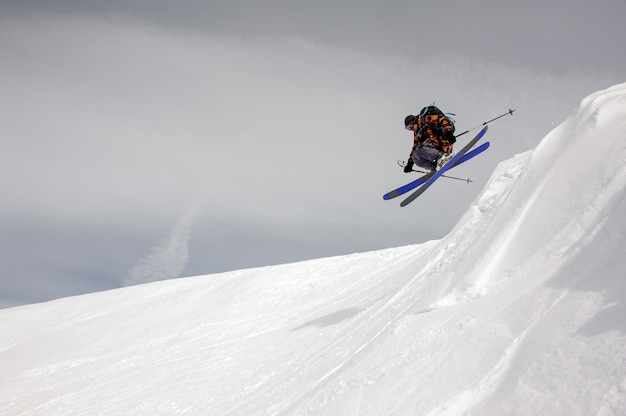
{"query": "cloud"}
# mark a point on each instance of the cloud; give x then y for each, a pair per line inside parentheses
(121, 124)
(168, 259)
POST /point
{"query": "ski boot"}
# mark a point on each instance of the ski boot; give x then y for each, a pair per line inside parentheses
(443, 159)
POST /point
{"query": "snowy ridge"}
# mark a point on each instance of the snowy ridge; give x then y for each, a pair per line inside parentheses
(518, 311)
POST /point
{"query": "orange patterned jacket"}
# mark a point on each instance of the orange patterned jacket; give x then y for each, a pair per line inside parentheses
(433, 128)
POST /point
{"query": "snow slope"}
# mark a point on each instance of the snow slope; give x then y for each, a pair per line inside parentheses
(518, 311)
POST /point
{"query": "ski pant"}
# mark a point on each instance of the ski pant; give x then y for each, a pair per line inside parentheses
(426, 156)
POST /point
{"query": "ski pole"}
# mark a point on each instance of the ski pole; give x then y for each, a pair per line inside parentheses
(487, 122)
(468, 180)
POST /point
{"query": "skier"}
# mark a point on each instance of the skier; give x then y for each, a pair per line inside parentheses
(433, 138)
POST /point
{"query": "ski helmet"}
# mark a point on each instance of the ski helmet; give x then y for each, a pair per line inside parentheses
(409, 121)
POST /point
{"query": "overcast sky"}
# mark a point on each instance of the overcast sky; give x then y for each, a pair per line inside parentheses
(153, 139)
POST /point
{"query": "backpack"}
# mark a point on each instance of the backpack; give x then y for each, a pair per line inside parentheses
(435, 128)
(432, 118)
(435, 118)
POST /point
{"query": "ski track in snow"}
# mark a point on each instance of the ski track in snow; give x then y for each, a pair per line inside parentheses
(518, 311)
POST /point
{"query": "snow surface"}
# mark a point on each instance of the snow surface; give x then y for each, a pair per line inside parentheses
(518, 311)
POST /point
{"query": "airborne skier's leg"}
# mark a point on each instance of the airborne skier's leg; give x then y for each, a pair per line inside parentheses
(426, 156)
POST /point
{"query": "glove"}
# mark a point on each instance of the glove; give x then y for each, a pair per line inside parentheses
(450, 137)
(409, 166)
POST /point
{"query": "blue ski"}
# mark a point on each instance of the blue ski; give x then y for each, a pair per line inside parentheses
(421, 180)
(453, 162)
